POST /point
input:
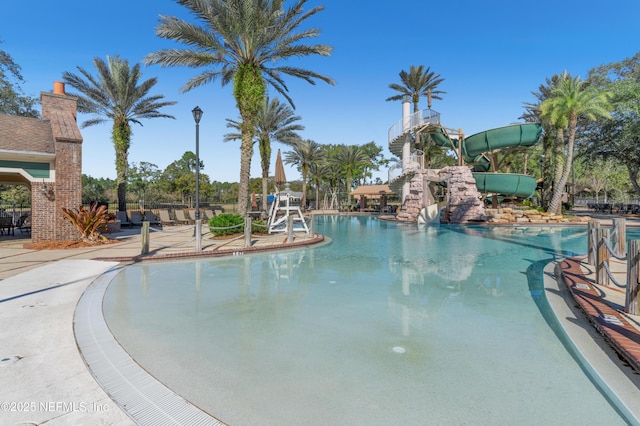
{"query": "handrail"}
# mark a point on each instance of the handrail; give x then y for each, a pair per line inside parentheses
(416, 162)
(426, 116)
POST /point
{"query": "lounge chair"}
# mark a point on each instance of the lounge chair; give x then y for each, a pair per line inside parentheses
(151, 218)
(209, 213)
(192, 215)
(124, 220)
(180, 217)
(165, 219)
(136, 218)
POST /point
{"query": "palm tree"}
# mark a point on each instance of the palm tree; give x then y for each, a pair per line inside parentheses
(549, 149)
(275, 121)
(116, 95)
(416, 83)
(305, 154)
(352, 160)
(241, 39)
(571, 99)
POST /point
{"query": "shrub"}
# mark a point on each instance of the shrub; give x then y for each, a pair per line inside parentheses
(91, 223)
(229, 223)
(226, 224)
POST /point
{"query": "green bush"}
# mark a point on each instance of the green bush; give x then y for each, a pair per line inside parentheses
(226, 220)
(229, 222)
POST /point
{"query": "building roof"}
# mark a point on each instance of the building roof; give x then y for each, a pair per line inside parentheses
(372, 191)
(25, 135)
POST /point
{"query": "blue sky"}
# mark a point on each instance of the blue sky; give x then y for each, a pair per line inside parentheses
(492, 54)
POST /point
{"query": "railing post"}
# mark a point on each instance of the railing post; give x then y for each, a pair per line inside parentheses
(247, 231)
(145, 237)
(602, 253)
(619, 236)
(633, 276)
(198, 235)
(592, 229)
(289, 229)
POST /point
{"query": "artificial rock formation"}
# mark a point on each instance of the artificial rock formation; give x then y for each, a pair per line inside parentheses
(464, 201)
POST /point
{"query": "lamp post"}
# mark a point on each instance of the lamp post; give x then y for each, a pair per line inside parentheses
(197, 115)
(541, 163)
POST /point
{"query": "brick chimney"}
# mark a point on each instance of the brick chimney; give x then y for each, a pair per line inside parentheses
(66, 183)
(57, 101)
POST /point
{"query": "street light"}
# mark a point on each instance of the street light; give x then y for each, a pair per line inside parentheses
(197, 115)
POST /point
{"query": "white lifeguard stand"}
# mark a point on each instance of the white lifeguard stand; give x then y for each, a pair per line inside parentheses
(284, 205)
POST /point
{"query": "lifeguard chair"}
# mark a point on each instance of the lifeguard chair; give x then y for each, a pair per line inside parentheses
(284, 205)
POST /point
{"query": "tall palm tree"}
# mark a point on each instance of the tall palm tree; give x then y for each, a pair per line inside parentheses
(571, 99)
(241, 40)
(274, 122)
(416, 83)
(352, 160)
(116, 95)
(551, 153)
(304, 154)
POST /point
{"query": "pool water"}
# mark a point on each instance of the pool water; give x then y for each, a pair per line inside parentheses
(387, 324)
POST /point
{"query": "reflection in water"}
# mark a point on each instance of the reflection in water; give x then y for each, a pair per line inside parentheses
(388, 324)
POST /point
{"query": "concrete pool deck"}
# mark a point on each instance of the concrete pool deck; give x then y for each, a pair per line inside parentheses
(45, 379)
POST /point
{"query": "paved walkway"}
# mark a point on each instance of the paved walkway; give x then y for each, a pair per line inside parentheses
(170, 243)
(45, 379)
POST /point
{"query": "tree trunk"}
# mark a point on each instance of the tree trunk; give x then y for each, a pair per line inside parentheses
(121, 136)
(555, 204)
(556, 201)
(265, 193)
(547, 149)
(633, 177)
(304, 190)
(265, 155)
(246, 152)
(122, 196)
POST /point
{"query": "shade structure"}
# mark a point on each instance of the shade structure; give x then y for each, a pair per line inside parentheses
(372, 192)
(279, 178)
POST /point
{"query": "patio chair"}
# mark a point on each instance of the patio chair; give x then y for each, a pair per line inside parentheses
(192, 215)
(136, 217)
(124, 220)
(6, 224)
(165, 219)
(180, 217)
(209, 213)
(151, 218)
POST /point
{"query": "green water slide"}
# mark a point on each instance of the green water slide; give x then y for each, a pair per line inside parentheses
(515, 135)
(511, 136)
(474, 146)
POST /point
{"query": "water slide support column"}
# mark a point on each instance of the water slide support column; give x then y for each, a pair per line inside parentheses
(406, 147)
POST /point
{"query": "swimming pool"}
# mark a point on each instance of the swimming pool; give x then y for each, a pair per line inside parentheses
(387, 324)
